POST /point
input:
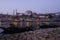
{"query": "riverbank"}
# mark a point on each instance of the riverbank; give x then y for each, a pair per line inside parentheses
(41, 34)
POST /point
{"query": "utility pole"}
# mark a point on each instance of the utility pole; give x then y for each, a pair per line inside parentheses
(7, 20)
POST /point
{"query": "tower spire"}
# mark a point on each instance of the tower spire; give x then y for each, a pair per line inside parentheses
(13, 12)
(16, 10)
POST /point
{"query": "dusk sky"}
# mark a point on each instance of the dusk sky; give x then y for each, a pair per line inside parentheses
(39, 6)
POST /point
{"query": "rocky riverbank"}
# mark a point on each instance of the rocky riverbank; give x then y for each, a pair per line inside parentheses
(41, 34)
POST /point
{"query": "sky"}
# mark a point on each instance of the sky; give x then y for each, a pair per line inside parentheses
(39, 6)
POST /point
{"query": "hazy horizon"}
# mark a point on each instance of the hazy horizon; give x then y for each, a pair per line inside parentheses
(39, 6)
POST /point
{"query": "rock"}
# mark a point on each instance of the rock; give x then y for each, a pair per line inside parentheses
(42, 34)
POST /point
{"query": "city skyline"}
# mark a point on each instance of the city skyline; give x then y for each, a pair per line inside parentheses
(39, 6)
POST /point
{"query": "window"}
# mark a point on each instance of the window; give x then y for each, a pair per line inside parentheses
(3, 24)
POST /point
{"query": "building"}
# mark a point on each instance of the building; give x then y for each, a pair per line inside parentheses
(25, 20)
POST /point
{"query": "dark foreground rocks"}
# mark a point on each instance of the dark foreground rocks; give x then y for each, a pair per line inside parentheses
(41, 34)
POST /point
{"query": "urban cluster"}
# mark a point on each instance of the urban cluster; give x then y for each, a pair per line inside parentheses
(29, 18)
